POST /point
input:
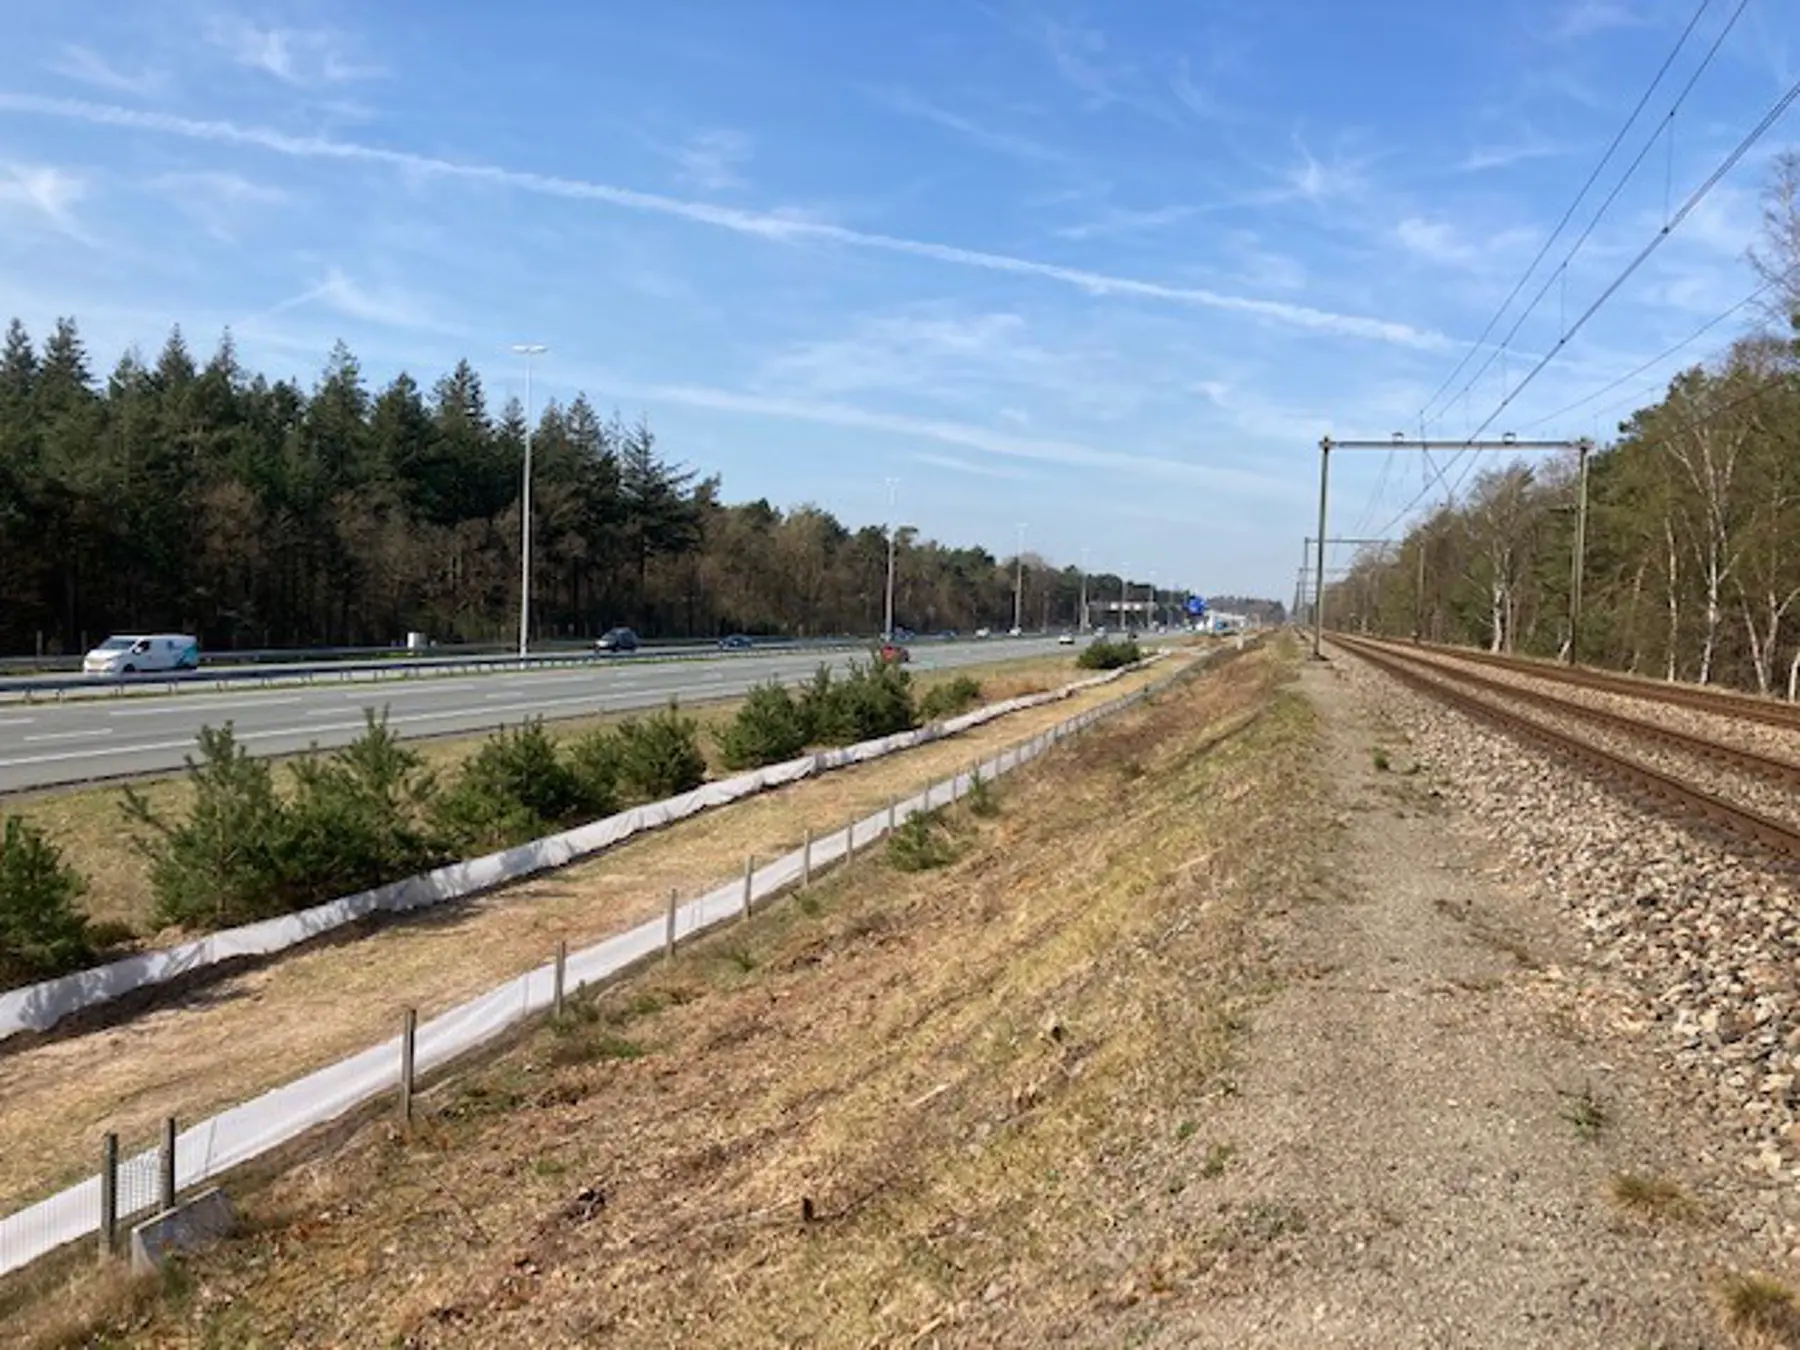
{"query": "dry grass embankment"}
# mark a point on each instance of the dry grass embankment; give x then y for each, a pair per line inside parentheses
(196, 1052)
(965, 1106)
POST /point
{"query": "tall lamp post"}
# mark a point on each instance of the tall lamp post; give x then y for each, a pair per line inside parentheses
(526, 350)
(887, 613)
(1019, 581)
(1124, 596)
(1084, 575)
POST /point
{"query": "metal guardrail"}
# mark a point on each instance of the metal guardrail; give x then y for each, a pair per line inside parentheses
(27, 687)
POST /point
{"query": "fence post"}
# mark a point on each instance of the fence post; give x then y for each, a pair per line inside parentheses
(562, 970)
(669, 929)
(850, 840)
(109, 1196)
(806, 859)
(749, 874)
(166, 1191)
(893, 805)
(409, 1030)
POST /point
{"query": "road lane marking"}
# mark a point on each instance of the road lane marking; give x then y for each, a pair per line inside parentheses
(71, 735)
(248, 705)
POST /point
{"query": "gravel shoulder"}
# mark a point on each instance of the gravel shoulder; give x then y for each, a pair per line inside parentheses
(1424, 1144)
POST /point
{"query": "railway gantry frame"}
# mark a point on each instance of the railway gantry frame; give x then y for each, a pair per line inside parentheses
(1306, 552)
(1583, 446)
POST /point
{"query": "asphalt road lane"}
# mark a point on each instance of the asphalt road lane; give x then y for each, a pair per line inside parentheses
(46, 745)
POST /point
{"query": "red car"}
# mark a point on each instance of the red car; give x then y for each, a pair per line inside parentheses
(893, 654)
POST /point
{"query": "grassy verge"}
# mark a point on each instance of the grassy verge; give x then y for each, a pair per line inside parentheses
(968, 1101)
(189, 1053)
(89, 827)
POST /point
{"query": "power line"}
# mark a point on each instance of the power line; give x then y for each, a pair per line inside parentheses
(1569, 214)
(1694, 199)
(1611, 197)
(1656, 360)
(1687, 207)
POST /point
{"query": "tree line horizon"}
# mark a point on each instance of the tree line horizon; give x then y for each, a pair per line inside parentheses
(199, 497)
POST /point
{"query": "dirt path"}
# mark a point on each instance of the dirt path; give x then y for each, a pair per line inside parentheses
(1422, 1152)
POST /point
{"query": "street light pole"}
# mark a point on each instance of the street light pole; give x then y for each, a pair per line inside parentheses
(1019, 580)
(1084, 576)
(887, 622)
(1124, 595)
(527, 350)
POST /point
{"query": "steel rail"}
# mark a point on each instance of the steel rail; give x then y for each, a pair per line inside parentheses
(1751, 707)
(1666, 789)
(1784, 773)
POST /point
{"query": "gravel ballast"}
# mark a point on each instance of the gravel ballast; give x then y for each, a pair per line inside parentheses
(1692, 940)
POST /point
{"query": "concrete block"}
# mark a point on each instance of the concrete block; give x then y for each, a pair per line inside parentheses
(193, 1223)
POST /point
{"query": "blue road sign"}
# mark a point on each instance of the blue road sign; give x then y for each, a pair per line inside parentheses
(1196, 606)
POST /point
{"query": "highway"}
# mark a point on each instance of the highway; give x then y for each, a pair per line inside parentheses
(46, 745)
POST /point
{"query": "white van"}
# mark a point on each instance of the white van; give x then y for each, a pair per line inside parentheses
(132, 654)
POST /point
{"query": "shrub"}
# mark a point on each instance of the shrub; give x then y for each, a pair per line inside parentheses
(871, 700)
(594, 762)
(919, 843)
(949, 699)
(223, 863)
(824, 715)
(660, 756)
(515, 787)
(1107, 654)
(769, 728)
(359, 818)
(42, 933)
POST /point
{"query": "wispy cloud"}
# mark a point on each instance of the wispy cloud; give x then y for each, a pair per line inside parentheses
(964, 435)
(957, 464)
(300, 57)
(218, 202)
(766, 225)
(709, 160)
(1441, 243)
(43, 192)
(1485, 157)
(1116, 220)
(1318, 181)
(1192, 96)
(89, 67)
(988, 138)
(386, 306)
(1584, 18)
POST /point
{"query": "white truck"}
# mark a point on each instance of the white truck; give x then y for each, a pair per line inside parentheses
(138, 654)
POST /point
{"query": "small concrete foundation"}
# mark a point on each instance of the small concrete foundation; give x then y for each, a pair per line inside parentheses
(193, 1223)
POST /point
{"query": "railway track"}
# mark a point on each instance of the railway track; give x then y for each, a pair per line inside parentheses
(1745, 707)
(1670, 793)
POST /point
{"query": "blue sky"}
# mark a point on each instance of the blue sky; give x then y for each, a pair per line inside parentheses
(1107, 270)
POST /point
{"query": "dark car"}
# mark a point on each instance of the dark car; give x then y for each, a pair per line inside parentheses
(737, 642)
(617, 640)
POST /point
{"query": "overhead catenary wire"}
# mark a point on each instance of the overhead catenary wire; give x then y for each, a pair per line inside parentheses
(1693, 200)
(1569, 214)
(1654, 361)
(1657, 240)
(1618, 187)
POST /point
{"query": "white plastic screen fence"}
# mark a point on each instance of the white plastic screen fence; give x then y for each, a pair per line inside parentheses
(247, 1131)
